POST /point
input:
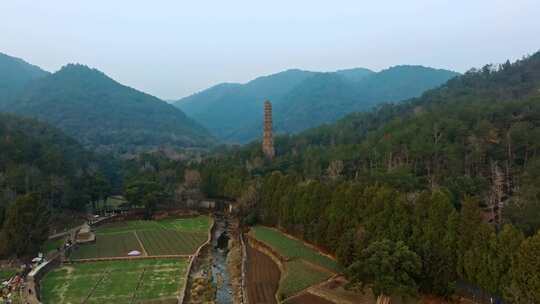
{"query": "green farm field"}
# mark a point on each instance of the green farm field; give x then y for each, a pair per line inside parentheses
(305, 266)
(291, 248)
(153, 238)
(119, 282)
(299, 276)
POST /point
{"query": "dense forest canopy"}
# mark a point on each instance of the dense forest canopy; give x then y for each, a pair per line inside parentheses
(15, 74)
(304, 99)
(450, 177)
(42, 167)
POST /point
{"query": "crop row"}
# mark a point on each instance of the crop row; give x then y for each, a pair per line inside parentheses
(299, 276)
(195, 224)
(108, 245)
(169, 242)
(292, 248)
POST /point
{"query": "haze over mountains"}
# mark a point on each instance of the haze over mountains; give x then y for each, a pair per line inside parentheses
(304, 99)
(105, 115)
(15, 74)
(99, 112)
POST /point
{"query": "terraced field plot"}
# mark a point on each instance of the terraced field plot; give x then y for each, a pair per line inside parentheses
(108, 245)
(291, 248)
(119, 282)
(300, 275)
(305, 266)
(164, 237)
(262, 277)
(170, 242)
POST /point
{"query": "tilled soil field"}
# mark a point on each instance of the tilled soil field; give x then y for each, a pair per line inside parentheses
(262, 277)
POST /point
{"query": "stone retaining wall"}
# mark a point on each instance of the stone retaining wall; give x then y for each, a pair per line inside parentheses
(244, 298)
(183, 291)
(155, 257)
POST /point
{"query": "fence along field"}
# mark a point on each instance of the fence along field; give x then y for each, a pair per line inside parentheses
(119, 282)
(163, 237)
(304, 267)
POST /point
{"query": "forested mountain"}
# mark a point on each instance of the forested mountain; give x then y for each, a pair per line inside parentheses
(450, 178)
(42, 171)
(304, 99)
(15, 74)
(105, 115)
(227, 108)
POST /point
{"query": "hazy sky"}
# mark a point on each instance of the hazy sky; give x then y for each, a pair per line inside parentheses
(174, 48)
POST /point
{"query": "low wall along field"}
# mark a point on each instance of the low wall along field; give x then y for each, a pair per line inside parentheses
(168, 237)
(304, 265)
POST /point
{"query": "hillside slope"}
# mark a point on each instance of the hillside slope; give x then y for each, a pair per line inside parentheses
(225, 108)
(105, 115)
(452, 177)
(15, 74)
(304, 99)
(475, 136)
(39, 158)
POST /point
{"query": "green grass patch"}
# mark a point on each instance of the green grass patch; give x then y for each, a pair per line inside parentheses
(169, 242)
(52, 245)
(299, 276)
(157, 284)
(108, 245)
(163, 237)
(129, 281)
(128, 226)
(291, 248)
(6, 273)
(196, 224)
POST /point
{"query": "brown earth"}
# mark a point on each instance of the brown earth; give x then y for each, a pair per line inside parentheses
(308, 298)
(262, 277)
(335, 290)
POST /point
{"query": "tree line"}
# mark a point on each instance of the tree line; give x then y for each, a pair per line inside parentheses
(445, 186)
(43, 173)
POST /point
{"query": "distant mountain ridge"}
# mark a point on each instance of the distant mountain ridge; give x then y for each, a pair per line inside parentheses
(103, 114)
(15, 74)
(304, 99)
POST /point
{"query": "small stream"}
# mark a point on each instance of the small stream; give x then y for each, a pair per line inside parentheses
(220, 274)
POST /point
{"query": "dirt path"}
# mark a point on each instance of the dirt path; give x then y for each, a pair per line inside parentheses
(140, 244)
(105, 274)
(29, 294)
(141, 277)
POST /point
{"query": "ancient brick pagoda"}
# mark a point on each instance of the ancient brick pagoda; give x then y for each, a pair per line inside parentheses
(268, 139)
